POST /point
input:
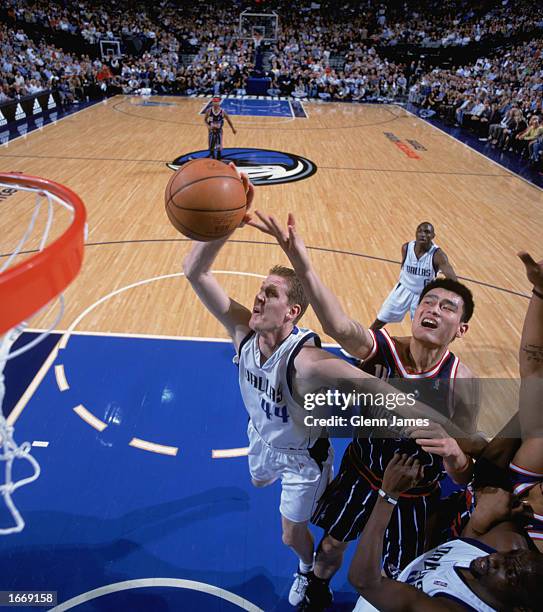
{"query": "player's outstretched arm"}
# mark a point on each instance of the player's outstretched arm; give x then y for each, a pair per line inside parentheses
(530, 454)
(227, 117)
(443, 264)
(401, 474)
(531, 344)
(316, 368)
(350, 334)
(197, 268)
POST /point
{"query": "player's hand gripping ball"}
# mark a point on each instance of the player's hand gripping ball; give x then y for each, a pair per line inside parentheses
(206, 199)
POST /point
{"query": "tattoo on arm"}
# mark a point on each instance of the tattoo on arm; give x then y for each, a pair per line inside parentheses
(534, 352)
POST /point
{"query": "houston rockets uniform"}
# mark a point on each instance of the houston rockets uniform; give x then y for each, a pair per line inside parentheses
(216, 122)
(349, 499)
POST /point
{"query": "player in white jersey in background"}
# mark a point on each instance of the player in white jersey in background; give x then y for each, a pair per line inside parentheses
(421, 260)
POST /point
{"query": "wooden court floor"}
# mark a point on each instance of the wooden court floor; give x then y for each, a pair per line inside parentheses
(364, 201)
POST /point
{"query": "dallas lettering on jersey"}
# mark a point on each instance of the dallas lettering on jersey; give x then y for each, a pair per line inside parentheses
(431, 563)
(262, 384)
(418, 271)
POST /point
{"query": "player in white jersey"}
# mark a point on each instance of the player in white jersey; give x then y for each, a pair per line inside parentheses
(272, 350)
(491, 568)
(272, 353)
(421, 260)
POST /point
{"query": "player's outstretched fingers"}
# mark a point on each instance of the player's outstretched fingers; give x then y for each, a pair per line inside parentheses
(263, 224)
(534, 269)
(249, 191)
(291, 228)
(278, 230)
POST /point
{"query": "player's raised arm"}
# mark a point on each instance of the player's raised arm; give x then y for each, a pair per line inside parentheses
(531, 345)
(197, 268)
(530, 454)
(316, 368)
(350, 334)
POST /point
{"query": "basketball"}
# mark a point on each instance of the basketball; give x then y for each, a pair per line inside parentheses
(205, 200)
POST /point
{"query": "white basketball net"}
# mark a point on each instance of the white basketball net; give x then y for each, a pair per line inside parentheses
(10, 452)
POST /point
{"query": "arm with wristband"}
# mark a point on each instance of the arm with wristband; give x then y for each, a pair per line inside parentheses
(402, 473)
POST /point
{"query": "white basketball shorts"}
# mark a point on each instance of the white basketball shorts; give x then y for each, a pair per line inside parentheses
(398, 302)
(303, 478)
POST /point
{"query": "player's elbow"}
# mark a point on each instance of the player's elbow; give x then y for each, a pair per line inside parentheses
(354, 580)
(337, 329)
(190, 269)
(357, 581)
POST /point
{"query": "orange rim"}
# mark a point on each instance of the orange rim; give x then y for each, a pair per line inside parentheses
(31, 284)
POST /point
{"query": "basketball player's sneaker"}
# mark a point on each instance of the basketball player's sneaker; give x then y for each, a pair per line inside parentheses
(299, 586)
(318, 596)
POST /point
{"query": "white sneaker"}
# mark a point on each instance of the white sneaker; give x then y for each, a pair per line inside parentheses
(298, 589)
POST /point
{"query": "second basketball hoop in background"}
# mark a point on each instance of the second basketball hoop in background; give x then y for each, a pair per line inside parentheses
(205, 200)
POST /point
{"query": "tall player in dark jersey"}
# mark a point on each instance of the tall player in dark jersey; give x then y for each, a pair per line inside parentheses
(455, 575)
(214, 118)
(442, 316)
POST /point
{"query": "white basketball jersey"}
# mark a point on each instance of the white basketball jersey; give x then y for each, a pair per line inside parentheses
(266, 392)
(435, 573)
(416, 273)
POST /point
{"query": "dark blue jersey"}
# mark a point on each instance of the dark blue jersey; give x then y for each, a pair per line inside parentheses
(216, 120)
(371, 451)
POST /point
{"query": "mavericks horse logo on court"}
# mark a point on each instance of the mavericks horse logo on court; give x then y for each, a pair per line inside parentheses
(264, 166)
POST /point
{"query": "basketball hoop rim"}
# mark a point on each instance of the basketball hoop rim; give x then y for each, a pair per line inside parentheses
(33, 283)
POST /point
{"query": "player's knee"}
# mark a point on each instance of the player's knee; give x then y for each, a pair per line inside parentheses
(293, 532)
(330, 547)
(259, 484)
(289, 539)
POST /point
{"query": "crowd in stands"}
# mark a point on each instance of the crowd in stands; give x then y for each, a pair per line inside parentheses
(500, 99)
(326, 49)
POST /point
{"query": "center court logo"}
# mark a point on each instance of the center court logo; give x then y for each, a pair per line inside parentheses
(264, 166)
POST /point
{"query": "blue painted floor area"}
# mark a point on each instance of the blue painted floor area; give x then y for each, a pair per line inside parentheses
(255, 108)
(104, 512)
(507, 159)
(20, 371)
